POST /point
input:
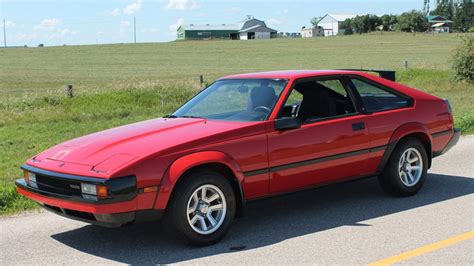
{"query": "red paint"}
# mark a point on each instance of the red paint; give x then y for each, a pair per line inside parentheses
(159, 151)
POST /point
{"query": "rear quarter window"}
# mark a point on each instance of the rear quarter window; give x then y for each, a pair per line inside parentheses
(376, 99)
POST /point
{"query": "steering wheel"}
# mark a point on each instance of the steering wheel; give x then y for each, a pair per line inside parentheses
(262, 109)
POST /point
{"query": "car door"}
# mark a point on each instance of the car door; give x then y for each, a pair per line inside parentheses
(332, 143)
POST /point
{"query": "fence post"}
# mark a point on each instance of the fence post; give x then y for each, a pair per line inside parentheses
(69, 91)
(405, 64)
(201, 80)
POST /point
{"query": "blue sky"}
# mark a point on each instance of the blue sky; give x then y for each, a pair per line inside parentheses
(89, 22)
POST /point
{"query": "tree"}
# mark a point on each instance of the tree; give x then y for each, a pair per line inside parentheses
(464, 15)
(347, 26)
(315, 21)
(462, 61)
(444, 8)
(388, 22)
(412, 21)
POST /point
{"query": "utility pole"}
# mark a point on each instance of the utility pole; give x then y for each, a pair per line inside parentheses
(5, 33)
(135, 29)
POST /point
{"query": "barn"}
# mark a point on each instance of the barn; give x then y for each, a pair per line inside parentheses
(331, 23)
(200, 32)
(248, 29)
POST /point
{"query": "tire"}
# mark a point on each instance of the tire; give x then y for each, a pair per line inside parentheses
(191, 229)
(398, 178)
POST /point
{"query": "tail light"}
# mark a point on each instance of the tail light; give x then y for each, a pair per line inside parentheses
(449, 105)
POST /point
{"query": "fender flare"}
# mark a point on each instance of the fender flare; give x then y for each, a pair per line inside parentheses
(398, 134)
(178, 167)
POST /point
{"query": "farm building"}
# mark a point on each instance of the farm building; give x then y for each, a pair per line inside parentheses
(438, 24)
(199, 32)
(248, 29)
(312, 32)
(331, 23)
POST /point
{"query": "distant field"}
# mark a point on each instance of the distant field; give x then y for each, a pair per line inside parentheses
(120, 84)
(96, 67)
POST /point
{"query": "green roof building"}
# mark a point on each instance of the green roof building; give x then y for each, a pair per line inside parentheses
(250, 28)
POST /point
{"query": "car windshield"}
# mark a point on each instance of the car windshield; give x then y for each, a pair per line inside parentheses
(235, 100)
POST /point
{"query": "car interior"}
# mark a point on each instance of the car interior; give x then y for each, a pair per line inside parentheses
(318, 102)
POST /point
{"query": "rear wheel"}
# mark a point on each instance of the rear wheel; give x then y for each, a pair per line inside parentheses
(406, 171)
(202, 208)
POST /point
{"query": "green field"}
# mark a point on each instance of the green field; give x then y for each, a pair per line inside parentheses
(120, 84)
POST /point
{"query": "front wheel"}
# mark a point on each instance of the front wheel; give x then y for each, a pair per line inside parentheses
(406, 171)
(202, 208)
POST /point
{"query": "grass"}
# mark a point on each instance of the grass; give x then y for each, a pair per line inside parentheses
(121, 84)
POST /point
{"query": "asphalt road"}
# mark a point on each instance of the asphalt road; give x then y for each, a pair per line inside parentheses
(351, 223)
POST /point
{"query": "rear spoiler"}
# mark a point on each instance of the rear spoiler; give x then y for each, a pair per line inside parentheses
(386, 74)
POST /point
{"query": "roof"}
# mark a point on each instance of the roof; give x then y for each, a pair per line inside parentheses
(258, 28)
(339, 17)
(233, 27)
(436, 19)
(288, 74)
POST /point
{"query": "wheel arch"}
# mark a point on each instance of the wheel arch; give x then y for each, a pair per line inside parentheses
(199, 161)
(415, 130)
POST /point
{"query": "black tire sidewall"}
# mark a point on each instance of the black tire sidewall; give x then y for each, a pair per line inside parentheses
(392, 181)
(178, 215)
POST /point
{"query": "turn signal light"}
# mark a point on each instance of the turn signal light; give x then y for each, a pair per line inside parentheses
(150, 189)
(102, 191)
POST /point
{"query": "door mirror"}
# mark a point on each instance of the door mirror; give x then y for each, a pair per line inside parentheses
(286, 123)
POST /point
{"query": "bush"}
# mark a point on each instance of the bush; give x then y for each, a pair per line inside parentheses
(471, 29)
(463, 61)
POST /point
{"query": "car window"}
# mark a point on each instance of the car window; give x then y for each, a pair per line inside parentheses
(377, 99)
(235, 100)
(314, 100)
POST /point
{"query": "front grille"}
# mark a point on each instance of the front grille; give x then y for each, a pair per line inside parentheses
(72, 213)
(58, 186)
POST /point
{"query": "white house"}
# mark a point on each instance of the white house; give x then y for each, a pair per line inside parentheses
(331, 23)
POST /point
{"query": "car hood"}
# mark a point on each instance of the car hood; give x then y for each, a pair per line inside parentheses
(110, 149)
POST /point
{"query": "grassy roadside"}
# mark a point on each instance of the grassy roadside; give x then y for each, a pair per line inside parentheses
(30, 125)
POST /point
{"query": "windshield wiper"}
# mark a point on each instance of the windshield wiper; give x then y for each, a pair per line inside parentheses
(183, 116)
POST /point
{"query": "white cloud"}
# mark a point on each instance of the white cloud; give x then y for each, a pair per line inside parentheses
(182, 5)
(150, 30)
(114, 12)
(133, 8)
(67, 31)
(233, 10)
(173, 27)
(48, 24)
(9, 24)
(273, 22)
(125, 25)
(22, 37)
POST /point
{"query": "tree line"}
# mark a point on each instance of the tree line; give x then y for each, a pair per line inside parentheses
(461, 12)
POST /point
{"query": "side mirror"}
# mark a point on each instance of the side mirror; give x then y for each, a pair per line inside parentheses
(286, 123)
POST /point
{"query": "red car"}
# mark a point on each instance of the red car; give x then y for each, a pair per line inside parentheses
(243, 138)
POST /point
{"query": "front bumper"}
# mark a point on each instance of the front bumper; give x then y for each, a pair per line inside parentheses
(56, 192)
(451, 143)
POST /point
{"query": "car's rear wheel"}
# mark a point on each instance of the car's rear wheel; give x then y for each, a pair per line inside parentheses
(406, 171)
(202, 208)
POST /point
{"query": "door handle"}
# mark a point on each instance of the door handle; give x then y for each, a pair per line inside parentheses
(358, 126)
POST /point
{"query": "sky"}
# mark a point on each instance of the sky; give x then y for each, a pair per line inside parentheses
(75, 22)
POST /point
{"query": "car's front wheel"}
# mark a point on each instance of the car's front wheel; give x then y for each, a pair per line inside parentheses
(202, 208)
(406, 171)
